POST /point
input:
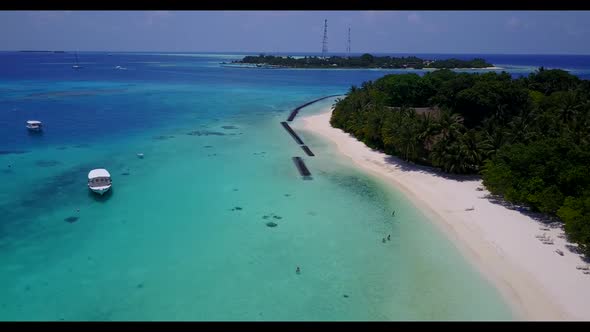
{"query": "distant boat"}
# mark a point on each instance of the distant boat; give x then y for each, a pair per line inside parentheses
(99, 180)
(120, 68)
(77, 65)
(34, 125)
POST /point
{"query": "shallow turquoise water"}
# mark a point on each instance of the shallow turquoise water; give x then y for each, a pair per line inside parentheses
(168, 243)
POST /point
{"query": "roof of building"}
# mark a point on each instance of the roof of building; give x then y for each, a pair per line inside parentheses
(98, 173)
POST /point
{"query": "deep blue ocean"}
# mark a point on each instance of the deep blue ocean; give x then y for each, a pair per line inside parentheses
(183, 234)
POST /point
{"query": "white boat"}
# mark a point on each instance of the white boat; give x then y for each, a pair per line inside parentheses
(140, 155)
(77, 65)
(99, 180)
(34, 125)
(120, 68)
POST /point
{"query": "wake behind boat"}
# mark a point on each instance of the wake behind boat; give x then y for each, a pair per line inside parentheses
(99, 180)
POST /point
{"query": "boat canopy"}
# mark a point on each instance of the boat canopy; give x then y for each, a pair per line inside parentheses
(33, 122)
(98, 173)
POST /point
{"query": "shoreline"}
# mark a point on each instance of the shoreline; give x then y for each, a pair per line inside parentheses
(536, 282)
(253, 66)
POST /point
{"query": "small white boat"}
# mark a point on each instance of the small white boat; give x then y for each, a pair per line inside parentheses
(76, 65)
(120, 68)
(99, 180)
(34, 125)
(140, 155)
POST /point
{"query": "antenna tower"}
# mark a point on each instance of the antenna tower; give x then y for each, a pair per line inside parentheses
(348, 44)
(325, 40)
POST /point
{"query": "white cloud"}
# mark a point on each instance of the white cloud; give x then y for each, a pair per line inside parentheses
(427, 26)
(47, 16)
(513, 23)
(157, 16)
(414, 18)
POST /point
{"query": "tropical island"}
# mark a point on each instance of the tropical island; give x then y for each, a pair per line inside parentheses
(500, 165)
(364, 61)
(529, 138)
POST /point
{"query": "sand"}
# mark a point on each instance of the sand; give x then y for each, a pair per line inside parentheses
(536, 282)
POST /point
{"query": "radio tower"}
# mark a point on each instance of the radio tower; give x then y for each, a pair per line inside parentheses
(325, 40)
(348, 44)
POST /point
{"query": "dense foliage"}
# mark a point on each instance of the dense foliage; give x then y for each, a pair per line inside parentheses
(528, 137)
(363, 61)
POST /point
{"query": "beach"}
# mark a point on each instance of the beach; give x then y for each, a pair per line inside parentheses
(500, 242)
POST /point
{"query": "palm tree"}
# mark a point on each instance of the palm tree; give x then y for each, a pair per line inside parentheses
(566, 104)
(408, 139)
(450, 124)
(472, 150)
(428, 130)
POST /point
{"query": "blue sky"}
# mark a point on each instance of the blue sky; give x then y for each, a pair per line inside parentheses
(541, 32)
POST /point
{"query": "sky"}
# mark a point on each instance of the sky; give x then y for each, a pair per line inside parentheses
(503, 32)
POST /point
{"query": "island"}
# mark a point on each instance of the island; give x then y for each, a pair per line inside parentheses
(499, 164)
(363, 61)
(529, 137)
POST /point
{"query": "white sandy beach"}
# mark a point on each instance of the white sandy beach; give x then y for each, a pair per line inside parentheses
(535, 280)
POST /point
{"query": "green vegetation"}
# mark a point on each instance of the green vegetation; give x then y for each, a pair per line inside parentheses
(529, 137)
(363, 61)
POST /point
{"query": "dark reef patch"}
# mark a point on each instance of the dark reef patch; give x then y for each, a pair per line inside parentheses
(162, 137)
(2, 152)
(47, 163)
(361, 186)
(71, 219)
(72, 93)
(229, 127)
(205, 133)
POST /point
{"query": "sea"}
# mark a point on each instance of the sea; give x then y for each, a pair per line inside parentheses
(214, 222)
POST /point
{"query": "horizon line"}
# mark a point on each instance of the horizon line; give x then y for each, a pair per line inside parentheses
(283, 52)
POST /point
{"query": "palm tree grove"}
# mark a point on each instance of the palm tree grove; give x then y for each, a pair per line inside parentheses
(529, 137)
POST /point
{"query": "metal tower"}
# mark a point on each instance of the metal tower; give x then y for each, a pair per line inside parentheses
(325, 40)
(348, 44)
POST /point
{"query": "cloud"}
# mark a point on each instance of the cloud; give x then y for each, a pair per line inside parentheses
(572, 29)
(514, 23)
(47, 16)
(156, 16)
(414, 18)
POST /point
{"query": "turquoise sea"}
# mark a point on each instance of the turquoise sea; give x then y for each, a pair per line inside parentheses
(183, 233)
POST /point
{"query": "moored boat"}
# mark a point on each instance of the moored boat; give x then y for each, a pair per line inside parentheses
(99, 180)
(34, 125)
